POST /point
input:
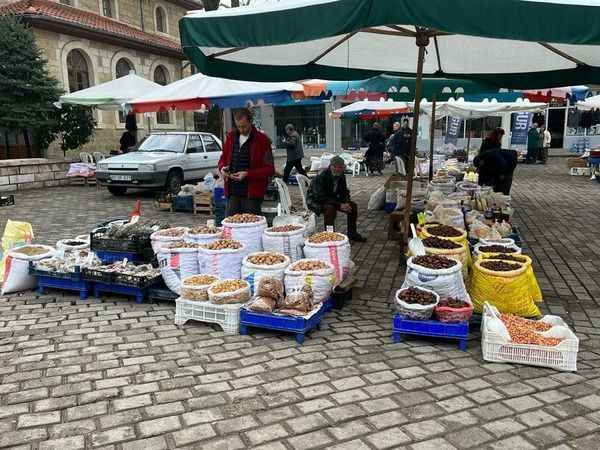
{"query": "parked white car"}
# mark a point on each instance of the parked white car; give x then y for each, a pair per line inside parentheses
(161, 161)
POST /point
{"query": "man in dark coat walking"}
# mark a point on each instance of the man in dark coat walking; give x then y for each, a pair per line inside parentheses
(294, 152)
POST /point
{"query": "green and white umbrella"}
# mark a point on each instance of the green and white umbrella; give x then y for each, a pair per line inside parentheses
(511, 43)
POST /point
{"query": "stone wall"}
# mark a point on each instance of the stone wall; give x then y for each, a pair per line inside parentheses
(19, 174)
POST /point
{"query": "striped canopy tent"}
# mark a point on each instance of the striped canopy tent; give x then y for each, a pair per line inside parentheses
(508, 43)
(371, 109)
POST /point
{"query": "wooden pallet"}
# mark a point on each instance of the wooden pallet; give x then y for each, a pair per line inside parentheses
(203, 204)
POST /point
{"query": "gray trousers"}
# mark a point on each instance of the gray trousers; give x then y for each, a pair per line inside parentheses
(239, 205)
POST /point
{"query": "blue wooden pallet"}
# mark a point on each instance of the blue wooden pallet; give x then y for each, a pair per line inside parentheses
(295, 325)
(140, 294)
(65, 284)
(431, 328)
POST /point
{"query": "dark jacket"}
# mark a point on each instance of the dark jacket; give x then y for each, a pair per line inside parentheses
(489, 144)
(494, 166)
(400, 142)
(261, 161)
(127, 140)
(376, 141)
(322, 191)
(293, 146)
(533, 139)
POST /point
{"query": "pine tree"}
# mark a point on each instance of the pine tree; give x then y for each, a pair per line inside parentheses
(27, 91)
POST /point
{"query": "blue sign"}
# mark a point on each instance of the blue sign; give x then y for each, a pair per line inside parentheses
(520, 127)
(453, 128)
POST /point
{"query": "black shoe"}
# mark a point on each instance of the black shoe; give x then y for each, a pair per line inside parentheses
(355, 237)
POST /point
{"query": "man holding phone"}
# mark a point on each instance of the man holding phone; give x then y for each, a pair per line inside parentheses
(246, 164)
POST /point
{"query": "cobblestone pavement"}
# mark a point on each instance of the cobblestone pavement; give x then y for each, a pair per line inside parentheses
(114, 374)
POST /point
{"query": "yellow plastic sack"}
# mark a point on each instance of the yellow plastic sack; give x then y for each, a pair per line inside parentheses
(15, 233)
(515, 295)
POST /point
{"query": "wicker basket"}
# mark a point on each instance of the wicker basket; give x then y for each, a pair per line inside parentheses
(415, 311)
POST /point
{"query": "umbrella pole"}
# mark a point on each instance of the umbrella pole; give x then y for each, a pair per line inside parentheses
(422, 41)
(468, 128)
(431, 136)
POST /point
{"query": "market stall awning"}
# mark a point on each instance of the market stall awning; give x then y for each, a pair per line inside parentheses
(200, 91)
(590, 102)
(112, 94)
(509, 43)
(475, 110)
(367, 108)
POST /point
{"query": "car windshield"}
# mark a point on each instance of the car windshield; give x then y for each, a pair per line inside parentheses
(163, 143)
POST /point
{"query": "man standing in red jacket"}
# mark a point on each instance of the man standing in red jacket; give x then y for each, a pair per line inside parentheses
(246, 164)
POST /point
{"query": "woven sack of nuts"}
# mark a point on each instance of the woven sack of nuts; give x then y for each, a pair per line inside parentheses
(330, 247)
(485, 249)
(177, 263)
(286, 239)
(246, 228)
(196, 287)
(203, 234)
(229, 291)
(416, 310)
(263, 264)
(318, 275)
(222, 258)
(511, 291)
(446, 282)
(445, 247)
(161, 237)
(534, 288)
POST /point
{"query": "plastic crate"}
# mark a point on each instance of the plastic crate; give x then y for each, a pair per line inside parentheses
(296, 325)
(64, 284)
(76, 275)
(340, 296)
(183, 203)
(161, 294)
(580, 171)
(136, 281)
(431, 328)
(140, 294)
(561, 357)
(226, 316)
(140, 247)
(109, 257)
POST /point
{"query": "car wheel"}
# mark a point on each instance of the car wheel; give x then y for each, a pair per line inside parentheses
(174, 182)
(117, 190)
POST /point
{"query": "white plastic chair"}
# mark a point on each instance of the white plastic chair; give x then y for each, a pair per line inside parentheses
(303, 185)
(85, 157)
(285, 200)
(98, 156)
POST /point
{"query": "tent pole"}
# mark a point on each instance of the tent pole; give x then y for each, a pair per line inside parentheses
(422, 40)
(468, 128)
(431, 136)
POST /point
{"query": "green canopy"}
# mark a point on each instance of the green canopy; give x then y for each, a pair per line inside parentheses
(507, 43)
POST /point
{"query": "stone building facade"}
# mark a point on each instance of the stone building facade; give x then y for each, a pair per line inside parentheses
(88, 42)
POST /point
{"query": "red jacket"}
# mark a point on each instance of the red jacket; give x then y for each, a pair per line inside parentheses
(261, 161)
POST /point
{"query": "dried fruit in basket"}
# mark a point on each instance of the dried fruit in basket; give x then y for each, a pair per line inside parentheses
(224, 244)
(500, 266)
(434, 261)
(308, 265)
(326, 236)
(436, 242)
(455, 303)
(269, 287)
(506, 257)
(196, 287)
(263, 304)
(229, 291)
(285, 228)
(266, 258)
(497, 249)
(243, 218)
(228, 286)
(445, 231)
(524, 331)
(413, 295)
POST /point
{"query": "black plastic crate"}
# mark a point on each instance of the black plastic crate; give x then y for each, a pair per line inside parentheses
(133, 245)
(340, 297)
(98, 275)
(162, 293)
(73, 276)
(135, 280)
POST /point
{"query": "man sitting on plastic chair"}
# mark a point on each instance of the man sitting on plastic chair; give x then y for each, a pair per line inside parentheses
(328, 194)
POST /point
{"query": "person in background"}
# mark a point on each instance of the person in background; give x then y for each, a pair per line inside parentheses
(533, 144)
(400, 144)
(328, 193)
(128, 138)
(546, 139)
(492, 141)
(374, 155)
(294, 152)
(246, 164)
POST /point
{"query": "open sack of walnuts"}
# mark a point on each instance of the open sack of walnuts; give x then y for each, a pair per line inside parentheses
(222, 258)
(204, 234)
(286, 239)
(331, 247)
(196, 287)
(246, 228)
(258, 265)
(437, 273)
(229, 291)
(314, 273)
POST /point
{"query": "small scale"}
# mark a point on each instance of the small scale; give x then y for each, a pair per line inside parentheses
(431, 328)
(289, 324)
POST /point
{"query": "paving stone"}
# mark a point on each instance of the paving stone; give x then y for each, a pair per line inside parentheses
(14, 438)
(193, 434)
(433, 444)
(469, 437)
(310, 440)
(388, 419)
(504, 427)
(154, 443)
(71, 443)
(391, 438)
(112, 436)
(159, 426)
(89, 410)
(545, 436)
(516, 442)
(425, 429)
(578, 426)
(266, 434)
(38, 419)
(349, 430)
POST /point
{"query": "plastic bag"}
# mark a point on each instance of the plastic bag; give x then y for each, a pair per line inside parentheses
(299, 300)
(15, 234)
(377, 200)
(290, 243)
(262, 304)
(209, 182)
(16, 269)
(270, 287)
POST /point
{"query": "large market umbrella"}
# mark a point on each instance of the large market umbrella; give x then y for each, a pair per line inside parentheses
(200, 91)
(112, 94)
(510, 43)
(369, 108)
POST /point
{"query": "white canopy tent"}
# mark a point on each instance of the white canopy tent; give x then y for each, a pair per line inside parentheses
(112, 94)
(590, 102)
(374, 108)
(474, 110)
(200, 91)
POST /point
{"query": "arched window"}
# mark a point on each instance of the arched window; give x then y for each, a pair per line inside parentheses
(161, 76)
(78, 71)
(123, 68)
(160, 18)
(108, 8)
